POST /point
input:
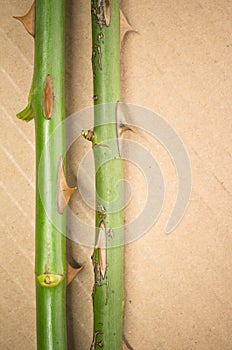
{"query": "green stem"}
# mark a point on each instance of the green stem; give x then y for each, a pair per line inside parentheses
(108, 253)
(46, 102)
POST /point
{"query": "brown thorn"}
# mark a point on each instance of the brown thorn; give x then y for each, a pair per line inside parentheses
(72, 272)
(126, 345)
(125, 27)
(28, 20)
(48, 98)
(107, 12)
(64, 192)
(125, 127)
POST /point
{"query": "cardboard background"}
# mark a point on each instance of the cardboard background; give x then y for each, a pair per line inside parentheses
(178, 288)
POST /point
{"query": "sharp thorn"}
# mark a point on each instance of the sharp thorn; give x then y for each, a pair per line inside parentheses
(64, 192)
(28, 20)
(125, 27)
(72, 272)
(126, 345)
(125, 127)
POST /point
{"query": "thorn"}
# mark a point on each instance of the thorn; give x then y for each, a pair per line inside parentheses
(28, 20)
(125, 27)
(72, 272)
(125, 127)
(64, 192)
(101, 245)
(107, 12)
(27, 114)
(48, 98)
(126, 345)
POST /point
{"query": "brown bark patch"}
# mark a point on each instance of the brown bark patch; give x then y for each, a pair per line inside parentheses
(48, 98)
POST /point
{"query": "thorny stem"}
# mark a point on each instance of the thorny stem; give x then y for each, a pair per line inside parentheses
(46, 105)
(108, 252)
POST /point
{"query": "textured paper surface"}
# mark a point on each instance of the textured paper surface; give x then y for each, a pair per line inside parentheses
(178, 288)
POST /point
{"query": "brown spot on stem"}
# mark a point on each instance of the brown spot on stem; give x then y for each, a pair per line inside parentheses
(125, 27)
(101, 245)
(101, 211)
(99, 56)
(72, 272)
(28, 20)
(64, 192)
(48, 98)
(100, 36)
(111, 233)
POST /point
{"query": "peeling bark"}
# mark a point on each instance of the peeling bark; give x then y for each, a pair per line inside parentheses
(101, 246)
(48, 98)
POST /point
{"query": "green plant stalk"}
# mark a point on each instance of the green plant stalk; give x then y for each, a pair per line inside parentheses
(108, 292)
(46, 105)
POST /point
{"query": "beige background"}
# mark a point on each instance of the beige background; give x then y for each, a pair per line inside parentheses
(178, 287)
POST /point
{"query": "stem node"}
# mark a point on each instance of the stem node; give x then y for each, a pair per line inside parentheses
(50, 279)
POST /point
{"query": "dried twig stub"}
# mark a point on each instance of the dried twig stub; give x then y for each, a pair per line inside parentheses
(64, 192)
(48, 98)
(28, 20)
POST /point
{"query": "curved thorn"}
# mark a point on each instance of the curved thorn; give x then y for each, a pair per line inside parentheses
(125, 27)
(72, 272)
(64, 192)
(107, 11)
(125, 127)
(28, 20)
(126, 345)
